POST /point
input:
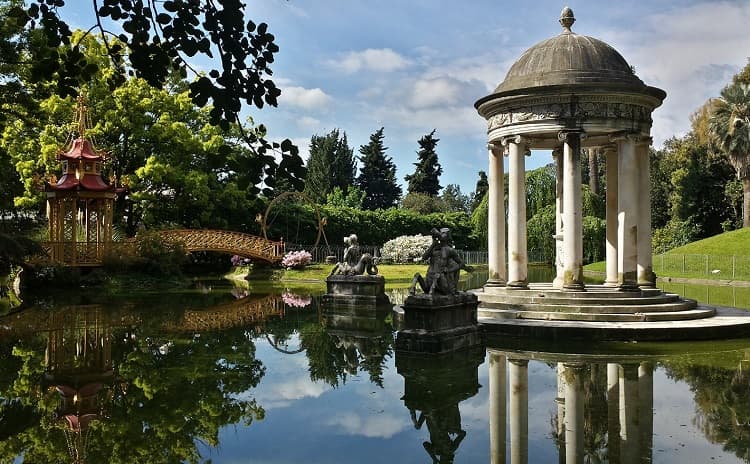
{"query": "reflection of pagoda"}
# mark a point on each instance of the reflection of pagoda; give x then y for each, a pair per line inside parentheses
(80, 205)
(433, 388)
(79, 367)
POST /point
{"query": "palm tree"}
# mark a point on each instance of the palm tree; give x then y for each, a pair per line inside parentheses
(729, 126)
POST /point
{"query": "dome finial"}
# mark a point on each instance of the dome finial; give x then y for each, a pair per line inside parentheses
(567, 19)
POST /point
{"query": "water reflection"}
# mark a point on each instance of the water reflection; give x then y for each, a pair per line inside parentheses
(605, 404)
(434, 385)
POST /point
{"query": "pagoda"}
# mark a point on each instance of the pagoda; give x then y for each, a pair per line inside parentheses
(81, 203)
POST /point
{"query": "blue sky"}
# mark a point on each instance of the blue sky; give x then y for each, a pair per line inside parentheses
(418, 65)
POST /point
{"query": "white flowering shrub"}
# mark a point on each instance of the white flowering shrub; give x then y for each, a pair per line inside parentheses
(406, 248)
(296, 259)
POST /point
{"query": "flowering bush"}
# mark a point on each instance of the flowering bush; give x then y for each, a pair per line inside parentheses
(294, 300)
(406, 248)
(239, 261)
(296, 259)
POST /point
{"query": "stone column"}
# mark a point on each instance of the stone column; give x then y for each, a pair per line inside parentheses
(574, 418)
(613, 412)
(629, 430)
(519, 411)
(572, 211)
(627, 208)
(646, 276)
(611, 205)
(557, 155)
(646, 410)
(496, 219)
(517, 253)
(497, 407)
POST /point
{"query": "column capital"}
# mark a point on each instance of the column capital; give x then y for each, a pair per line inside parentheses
(495, 148)
(565, 135)
(638, 139)
(519, 362)
(558, 151)
(517, 139)
(610, 147)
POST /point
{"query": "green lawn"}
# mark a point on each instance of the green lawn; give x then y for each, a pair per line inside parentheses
(393, 273)
(721, 257)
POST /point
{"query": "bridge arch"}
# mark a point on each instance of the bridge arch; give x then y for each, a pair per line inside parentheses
(224, 241)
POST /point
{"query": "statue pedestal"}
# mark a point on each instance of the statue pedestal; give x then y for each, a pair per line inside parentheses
(358, 290)
(438, 323)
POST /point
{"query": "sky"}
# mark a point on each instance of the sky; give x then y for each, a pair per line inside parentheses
(417, 65)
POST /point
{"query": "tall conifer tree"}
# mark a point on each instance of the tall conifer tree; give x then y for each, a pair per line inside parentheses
(377, 176)
(331, 164)
(426, 177)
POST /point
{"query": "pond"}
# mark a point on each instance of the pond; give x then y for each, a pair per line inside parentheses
(265, 375)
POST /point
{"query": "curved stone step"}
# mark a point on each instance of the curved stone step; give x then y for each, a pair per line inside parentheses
(697, 313)
(606, 308)
(562, 299)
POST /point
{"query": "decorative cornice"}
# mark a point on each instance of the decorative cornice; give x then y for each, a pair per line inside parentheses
(582, 109)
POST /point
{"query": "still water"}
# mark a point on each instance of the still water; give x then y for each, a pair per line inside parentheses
(266, 375)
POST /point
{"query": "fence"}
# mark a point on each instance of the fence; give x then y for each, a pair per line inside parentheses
(722, 267)
(320, 252)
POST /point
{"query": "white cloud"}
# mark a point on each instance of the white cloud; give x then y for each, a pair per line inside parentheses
(304, 98)
(434, 92)
(378, 60)
(690, 52)
(380, 426)
(308, 122)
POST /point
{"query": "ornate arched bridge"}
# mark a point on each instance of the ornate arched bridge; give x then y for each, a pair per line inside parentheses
(224, 241)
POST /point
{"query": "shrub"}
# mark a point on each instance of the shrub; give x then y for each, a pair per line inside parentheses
(296, 259)
(406, 248)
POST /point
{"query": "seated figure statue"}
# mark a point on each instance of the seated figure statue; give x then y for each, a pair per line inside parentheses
(355, 262)
(444, 266)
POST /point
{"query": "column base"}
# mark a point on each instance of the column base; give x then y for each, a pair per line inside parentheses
(495, 283)
(611, 283)
(518, 284)
(574, 287)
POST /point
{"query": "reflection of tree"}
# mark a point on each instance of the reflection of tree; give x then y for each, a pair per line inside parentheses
(723, 398)
(170, 393)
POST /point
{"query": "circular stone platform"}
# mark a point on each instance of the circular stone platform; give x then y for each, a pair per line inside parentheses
(605, 313)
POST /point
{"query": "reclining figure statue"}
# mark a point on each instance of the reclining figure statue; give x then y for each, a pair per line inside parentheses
(355, 262)
(444, 266)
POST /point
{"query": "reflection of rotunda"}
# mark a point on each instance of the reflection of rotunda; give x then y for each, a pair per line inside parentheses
(563, 94)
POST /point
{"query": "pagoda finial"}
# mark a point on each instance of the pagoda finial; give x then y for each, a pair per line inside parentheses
(81, 116)
(567, 19)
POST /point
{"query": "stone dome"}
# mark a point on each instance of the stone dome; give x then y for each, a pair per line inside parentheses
(569, 59)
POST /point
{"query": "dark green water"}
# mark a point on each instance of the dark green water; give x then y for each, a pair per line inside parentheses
(265, 375)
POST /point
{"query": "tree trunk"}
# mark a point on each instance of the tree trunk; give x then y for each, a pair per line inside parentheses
(593, 172)
(746, 202)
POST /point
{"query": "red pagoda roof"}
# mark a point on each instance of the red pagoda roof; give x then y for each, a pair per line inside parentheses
(92, 182)
(82, 149)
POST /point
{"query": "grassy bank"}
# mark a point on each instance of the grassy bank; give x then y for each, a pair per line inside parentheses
(393, 273)
(721, 257)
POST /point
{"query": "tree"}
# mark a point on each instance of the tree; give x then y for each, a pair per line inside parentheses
(377, 176)
(480, 190)
(422, 203)
(179, 168)
(454, 200)
(729, 127)
(354, 198)
(157, 39)
(331, 164)
(426, 177)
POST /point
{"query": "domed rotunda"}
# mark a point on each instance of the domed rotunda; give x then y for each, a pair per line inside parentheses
(563, 94)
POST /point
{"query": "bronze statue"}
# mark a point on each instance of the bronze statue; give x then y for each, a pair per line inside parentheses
(444, 266)
(355, 262)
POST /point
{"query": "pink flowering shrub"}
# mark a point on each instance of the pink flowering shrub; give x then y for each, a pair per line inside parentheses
(294, 300)
(296, 259)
